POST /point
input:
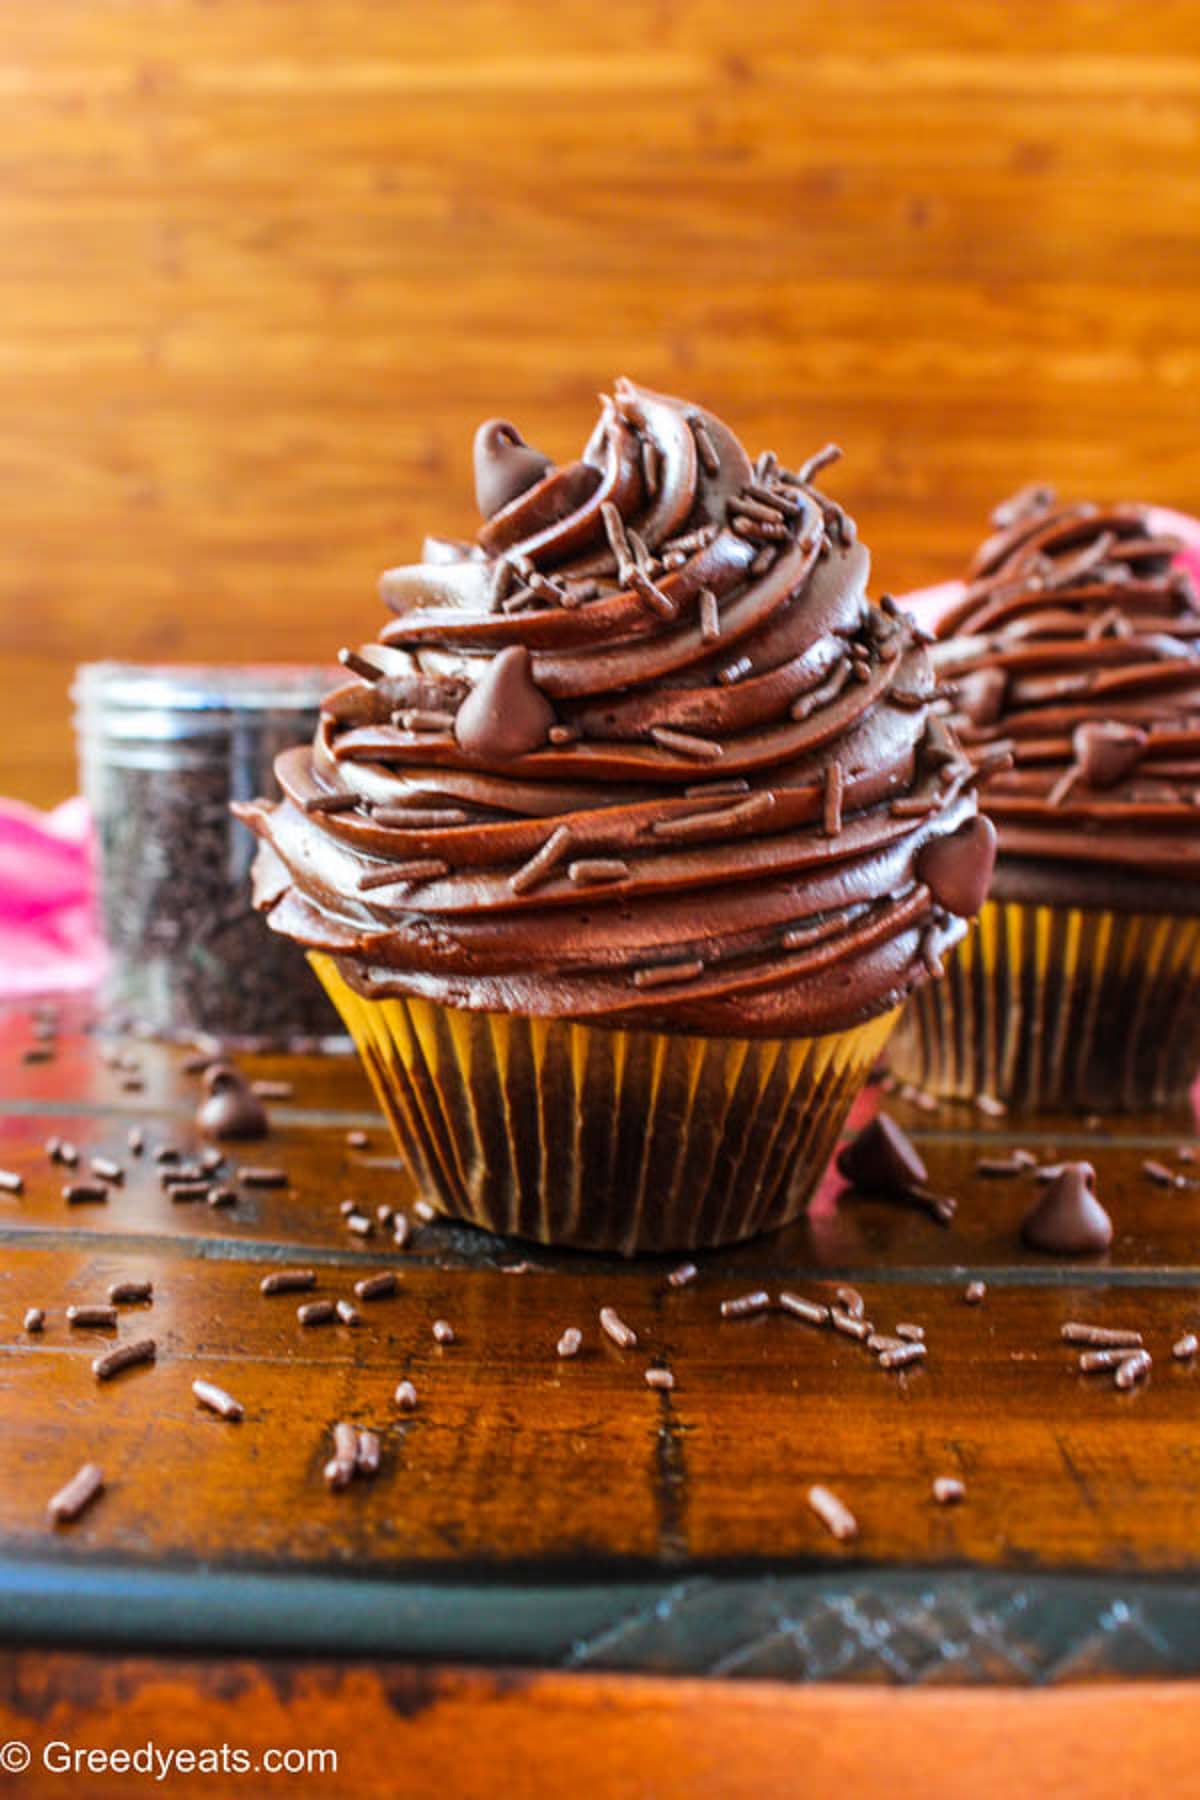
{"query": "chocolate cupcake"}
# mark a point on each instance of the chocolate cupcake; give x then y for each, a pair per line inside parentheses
(632, 834)
(1072, 656)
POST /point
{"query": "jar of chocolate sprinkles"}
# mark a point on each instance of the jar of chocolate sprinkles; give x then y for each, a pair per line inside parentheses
(164, 750)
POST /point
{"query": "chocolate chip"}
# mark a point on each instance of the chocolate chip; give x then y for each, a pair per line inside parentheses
(231, 1109)
(505, 466)
(958, 869)
(505, 714)
(981, 695)
(1106, 750)
(882, 1159)
(1068, 1219)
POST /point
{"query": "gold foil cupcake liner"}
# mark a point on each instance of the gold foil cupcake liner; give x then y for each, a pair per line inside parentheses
(1061, 1006)
(602, 1138)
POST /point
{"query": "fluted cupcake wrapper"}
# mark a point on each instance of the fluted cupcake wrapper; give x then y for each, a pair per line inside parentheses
(605, 1139)
(1061, 1006)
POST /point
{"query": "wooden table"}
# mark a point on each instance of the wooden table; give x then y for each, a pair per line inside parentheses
(539, 1527)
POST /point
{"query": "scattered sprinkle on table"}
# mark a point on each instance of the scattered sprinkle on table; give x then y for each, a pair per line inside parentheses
(744, 1305)
(405, 1396)
(1133, 1368)
(1076, 1332)
(11, 1182)
(833, 1513)
(253, 1175)
(92, 1317)
(1185, 1346)
(376, 1287)
(569, 1342)
(78, 1494)
(614, 1327)
(348, 1314)
(975, 1292)
(288, 1281)
(659, 1378)
(35, 1319)
(947, 1489)
(680, 1277)
(316, 1312)
(125, 1356)
(217, 1400)
(122, 1293)
(443, 1331)
(811, 1311)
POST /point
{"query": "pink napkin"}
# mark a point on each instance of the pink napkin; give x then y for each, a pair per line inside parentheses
(48, 937)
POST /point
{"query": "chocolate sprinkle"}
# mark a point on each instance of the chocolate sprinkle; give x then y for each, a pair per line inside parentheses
(745, 1305)
(811, 1311)
(376, 1287)
(217, 1400)
(1134, 1368)
(1077, 1332)
(405, 1396)
(288, 1281)
(570, 1341)
(124, 1356)
(686, 744)
(836, 1517)
(316, 1312)
(77, 1495)
(128, 1293)
(92, 1317)
(614, 1327)
(948, 1490)
(542, 861)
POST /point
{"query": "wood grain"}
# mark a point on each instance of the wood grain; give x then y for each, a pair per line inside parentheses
(518, 1461)
(263, 268)
(402, 1731)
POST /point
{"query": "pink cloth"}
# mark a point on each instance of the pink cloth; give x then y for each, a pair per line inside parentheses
(48, 937)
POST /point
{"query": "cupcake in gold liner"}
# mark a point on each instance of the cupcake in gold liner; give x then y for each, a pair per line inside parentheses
(1071, 653)
(631, 834)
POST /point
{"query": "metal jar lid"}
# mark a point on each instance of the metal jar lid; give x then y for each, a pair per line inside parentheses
(165, 702)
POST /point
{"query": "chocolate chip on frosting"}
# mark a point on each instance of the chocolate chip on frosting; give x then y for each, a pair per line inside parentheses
(1106, 750)
(981, 695)
(958, 869)
(505, 715)
(505, 466)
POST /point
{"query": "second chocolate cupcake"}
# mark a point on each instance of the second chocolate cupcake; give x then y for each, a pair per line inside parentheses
(1074, 648)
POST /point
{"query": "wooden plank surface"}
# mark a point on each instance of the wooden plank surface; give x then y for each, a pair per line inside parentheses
(263, 269)
(671, 1526)
(378, 1732)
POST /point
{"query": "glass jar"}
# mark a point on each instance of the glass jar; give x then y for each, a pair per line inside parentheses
(164, 750)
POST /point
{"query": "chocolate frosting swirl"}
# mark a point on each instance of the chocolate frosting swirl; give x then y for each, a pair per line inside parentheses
(643, 753)
(1074, 646)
